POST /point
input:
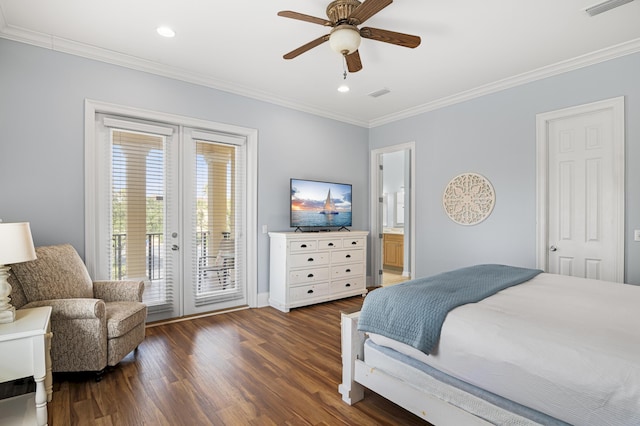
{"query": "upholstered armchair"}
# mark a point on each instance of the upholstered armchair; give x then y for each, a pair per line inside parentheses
(94, 324)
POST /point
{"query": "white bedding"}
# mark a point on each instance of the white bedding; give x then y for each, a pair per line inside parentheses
(565, 346)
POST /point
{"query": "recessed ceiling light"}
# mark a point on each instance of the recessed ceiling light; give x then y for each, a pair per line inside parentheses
(343, 88)
(166, 32)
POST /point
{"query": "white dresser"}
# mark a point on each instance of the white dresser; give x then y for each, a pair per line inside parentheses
(314, 267)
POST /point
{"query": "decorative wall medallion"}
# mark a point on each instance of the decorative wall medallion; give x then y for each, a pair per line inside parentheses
(469, 199)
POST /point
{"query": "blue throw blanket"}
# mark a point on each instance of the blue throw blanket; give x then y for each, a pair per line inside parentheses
(413, 312)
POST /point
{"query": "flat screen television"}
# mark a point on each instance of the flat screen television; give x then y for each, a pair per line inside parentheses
(317, 205)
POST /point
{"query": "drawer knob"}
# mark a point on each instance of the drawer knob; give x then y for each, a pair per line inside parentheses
(309, 291)
(310, 259)
(330, 244)
(354, 243)
(303, 246)
(347, 270)
(310, 276)
(348, 256)
(347, 285)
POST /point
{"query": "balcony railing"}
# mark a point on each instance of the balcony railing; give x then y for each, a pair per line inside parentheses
(153, 253)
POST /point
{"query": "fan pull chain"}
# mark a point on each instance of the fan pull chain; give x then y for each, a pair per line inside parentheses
(344, 67)
(343, 87)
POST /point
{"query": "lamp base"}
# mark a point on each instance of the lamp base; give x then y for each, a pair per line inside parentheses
(8, 315)
(7, 312)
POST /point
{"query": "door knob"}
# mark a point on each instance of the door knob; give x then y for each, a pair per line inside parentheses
(553, 248)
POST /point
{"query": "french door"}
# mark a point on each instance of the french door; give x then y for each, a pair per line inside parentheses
(138, 235)
(214, 209)
(171, 210)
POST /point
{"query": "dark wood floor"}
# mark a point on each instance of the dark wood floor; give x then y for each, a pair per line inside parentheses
(251, 367)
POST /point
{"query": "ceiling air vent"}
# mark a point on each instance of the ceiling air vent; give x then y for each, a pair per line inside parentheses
(604, 6)
(379, 93)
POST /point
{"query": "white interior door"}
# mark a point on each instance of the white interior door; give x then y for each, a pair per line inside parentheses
(584, 191)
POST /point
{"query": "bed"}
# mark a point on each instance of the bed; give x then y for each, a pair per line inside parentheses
(540, 349)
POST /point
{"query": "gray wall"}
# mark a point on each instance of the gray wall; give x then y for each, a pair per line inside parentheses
(42, 95)
(495, 135)
(42, 154)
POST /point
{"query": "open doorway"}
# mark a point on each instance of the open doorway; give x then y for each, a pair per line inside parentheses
(392, 210)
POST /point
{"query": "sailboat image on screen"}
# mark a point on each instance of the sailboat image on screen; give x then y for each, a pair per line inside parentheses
(319, 205)
(329, 205)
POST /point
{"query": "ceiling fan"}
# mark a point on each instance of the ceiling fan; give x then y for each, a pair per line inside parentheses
(344, 38)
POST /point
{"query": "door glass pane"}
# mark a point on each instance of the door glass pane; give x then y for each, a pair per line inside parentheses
(138, 213)
(217, 230)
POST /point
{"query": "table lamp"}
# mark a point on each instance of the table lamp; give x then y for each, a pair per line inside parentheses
(16, 245)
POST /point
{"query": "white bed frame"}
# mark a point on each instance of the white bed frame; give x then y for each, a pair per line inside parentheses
(356, 375)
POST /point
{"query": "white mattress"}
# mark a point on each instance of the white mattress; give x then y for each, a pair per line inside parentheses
(565, 346)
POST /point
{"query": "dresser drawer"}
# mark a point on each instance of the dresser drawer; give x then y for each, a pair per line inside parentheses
(342, 256)
(330, 244)
(308, 259)
(347, 270)
(344, 285)
(308, 275)
(303, 246)
(308, 292)
(354, 242)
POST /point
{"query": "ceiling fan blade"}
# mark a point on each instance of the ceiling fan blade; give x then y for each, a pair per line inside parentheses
(367, 9)
(353, 62)
(300, 50)
(392, 37)
(306, 18)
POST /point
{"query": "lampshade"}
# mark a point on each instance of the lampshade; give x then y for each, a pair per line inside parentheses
(16, 244)
(344, 39)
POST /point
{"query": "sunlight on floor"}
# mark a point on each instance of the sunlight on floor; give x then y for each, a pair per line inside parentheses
(392, 277)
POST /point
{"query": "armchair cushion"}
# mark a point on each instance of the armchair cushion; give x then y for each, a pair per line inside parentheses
(122, 317)
(57, 273)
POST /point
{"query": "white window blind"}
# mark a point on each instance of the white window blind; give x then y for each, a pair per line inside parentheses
(219, 218)
(140, 176)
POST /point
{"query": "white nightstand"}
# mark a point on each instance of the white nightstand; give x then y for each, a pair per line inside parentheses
(24, 351)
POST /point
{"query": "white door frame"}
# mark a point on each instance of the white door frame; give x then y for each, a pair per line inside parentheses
(376, 219)
(542, 176)
(93, 106)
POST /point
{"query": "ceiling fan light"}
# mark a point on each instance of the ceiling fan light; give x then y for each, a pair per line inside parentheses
(344, 39)
(166, 32)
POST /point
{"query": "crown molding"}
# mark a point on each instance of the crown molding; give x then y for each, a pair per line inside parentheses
(103, 55)
(79, 49)
(622, 49)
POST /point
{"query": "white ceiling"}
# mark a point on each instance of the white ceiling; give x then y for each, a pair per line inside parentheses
(469, 47)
